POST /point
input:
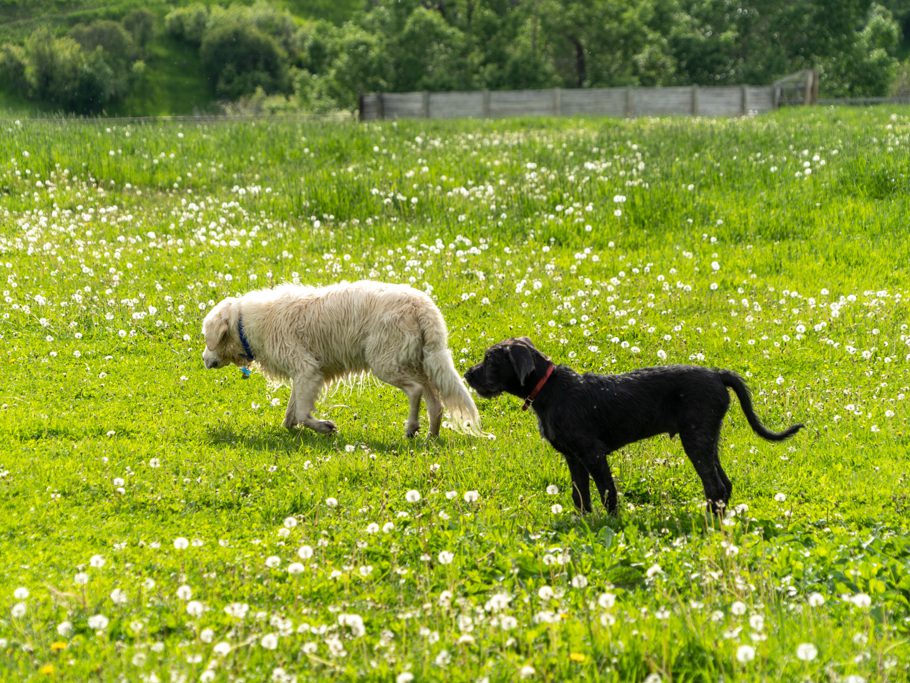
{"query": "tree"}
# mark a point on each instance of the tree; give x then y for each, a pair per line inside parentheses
(529, 63)
(868, 67)
(188, 23)
(60, 72)
(360, 66)
(141, 25)
(238, 58)
(12, 68)
(430, 54)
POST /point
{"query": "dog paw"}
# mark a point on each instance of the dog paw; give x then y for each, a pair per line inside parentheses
(410, 431)
(323, 426)
(290, 423)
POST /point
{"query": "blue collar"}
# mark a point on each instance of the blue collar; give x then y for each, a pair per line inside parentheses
(243, 340)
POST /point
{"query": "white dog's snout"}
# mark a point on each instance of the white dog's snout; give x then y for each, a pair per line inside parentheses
(210, 359)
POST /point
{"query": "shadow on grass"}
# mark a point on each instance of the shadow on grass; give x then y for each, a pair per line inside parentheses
(279, 439)
(640, 519)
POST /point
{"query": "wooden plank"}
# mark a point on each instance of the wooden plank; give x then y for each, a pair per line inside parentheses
(407, 105)
(456, 105)
(369, 107)
(521, 103)
(720, 101)
(593, 101)
(761, 98)
(663, 101)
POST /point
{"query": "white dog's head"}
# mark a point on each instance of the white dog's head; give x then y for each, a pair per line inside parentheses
(221, 346)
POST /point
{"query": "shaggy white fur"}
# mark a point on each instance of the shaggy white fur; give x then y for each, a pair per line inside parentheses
(312, 335)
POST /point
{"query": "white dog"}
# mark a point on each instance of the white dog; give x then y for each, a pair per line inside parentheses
(313, 335)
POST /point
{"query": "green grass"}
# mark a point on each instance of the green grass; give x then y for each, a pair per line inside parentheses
(115, 442)
(174, 82)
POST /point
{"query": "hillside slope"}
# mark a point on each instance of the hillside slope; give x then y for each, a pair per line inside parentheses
(174, 82)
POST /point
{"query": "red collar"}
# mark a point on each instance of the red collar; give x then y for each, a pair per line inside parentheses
(536, 390)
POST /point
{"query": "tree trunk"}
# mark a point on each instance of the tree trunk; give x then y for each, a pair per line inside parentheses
(581, 68)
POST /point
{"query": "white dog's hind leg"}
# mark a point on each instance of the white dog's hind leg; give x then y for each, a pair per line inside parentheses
(304, 392)
(409, 384)
(414, 392)
(434, 410)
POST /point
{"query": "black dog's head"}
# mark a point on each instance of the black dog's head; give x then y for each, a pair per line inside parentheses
(506, 367)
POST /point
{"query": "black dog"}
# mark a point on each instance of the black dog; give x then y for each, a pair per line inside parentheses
(585, 417)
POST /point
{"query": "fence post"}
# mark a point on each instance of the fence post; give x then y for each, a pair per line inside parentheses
(811, 96)
(694, 100)
(380, 106)
(743, 97)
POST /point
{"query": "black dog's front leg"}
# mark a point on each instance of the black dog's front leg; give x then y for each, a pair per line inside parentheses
(581, 486)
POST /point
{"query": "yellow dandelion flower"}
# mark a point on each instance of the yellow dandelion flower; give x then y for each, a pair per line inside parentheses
(577, 657)
(56, 646)
(47, 670)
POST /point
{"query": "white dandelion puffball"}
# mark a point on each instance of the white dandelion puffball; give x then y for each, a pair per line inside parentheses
(806, 652)
(745, 654)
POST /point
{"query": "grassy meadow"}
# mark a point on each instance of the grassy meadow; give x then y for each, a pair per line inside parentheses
(158, 524)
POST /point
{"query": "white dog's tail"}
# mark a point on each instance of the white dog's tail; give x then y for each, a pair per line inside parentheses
(438, 365)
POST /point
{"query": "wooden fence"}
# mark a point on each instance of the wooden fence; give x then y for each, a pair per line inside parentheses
(737, 100)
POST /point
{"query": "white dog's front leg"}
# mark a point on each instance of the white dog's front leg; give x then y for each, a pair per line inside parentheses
(304, 392)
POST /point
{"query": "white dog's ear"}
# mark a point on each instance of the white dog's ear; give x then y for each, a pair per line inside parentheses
(216, 323)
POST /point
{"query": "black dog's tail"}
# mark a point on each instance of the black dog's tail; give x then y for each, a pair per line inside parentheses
(735, 382)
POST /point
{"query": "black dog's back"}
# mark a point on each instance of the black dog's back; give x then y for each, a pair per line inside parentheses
(650, 401)
(665, 399)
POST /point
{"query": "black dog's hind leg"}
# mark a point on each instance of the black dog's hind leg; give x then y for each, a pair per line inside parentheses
(701, 447)
(600, 471)
(728, 485)
(581, 486)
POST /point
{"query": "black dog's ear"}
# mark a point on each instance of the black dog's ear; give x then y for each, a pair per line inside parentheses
(522, 361)
(526, 340)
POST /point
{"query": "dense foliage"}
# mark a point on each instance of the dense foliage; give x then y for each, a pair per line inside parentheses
(259, 50)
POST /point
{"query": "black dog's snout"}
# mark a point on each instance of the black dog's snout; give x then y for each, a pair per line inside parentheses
(473, 374)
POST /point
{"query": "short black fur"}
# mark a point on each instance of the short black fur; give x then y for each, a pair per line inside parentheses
(585, 417)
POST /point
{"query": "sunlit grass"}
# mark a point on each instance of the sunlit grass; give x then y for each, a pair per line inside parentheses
(146, 501)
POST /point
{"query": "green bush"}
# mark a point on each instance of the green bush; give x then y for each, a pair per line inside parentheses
(900, 86)
(527, 64)
(60, 72)
(360, 67)
(141, 25)
(188, 23)
(868, 67)
(431, 54)
(12, 68)
(238, 58)
(276, 23)
(110, 36)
